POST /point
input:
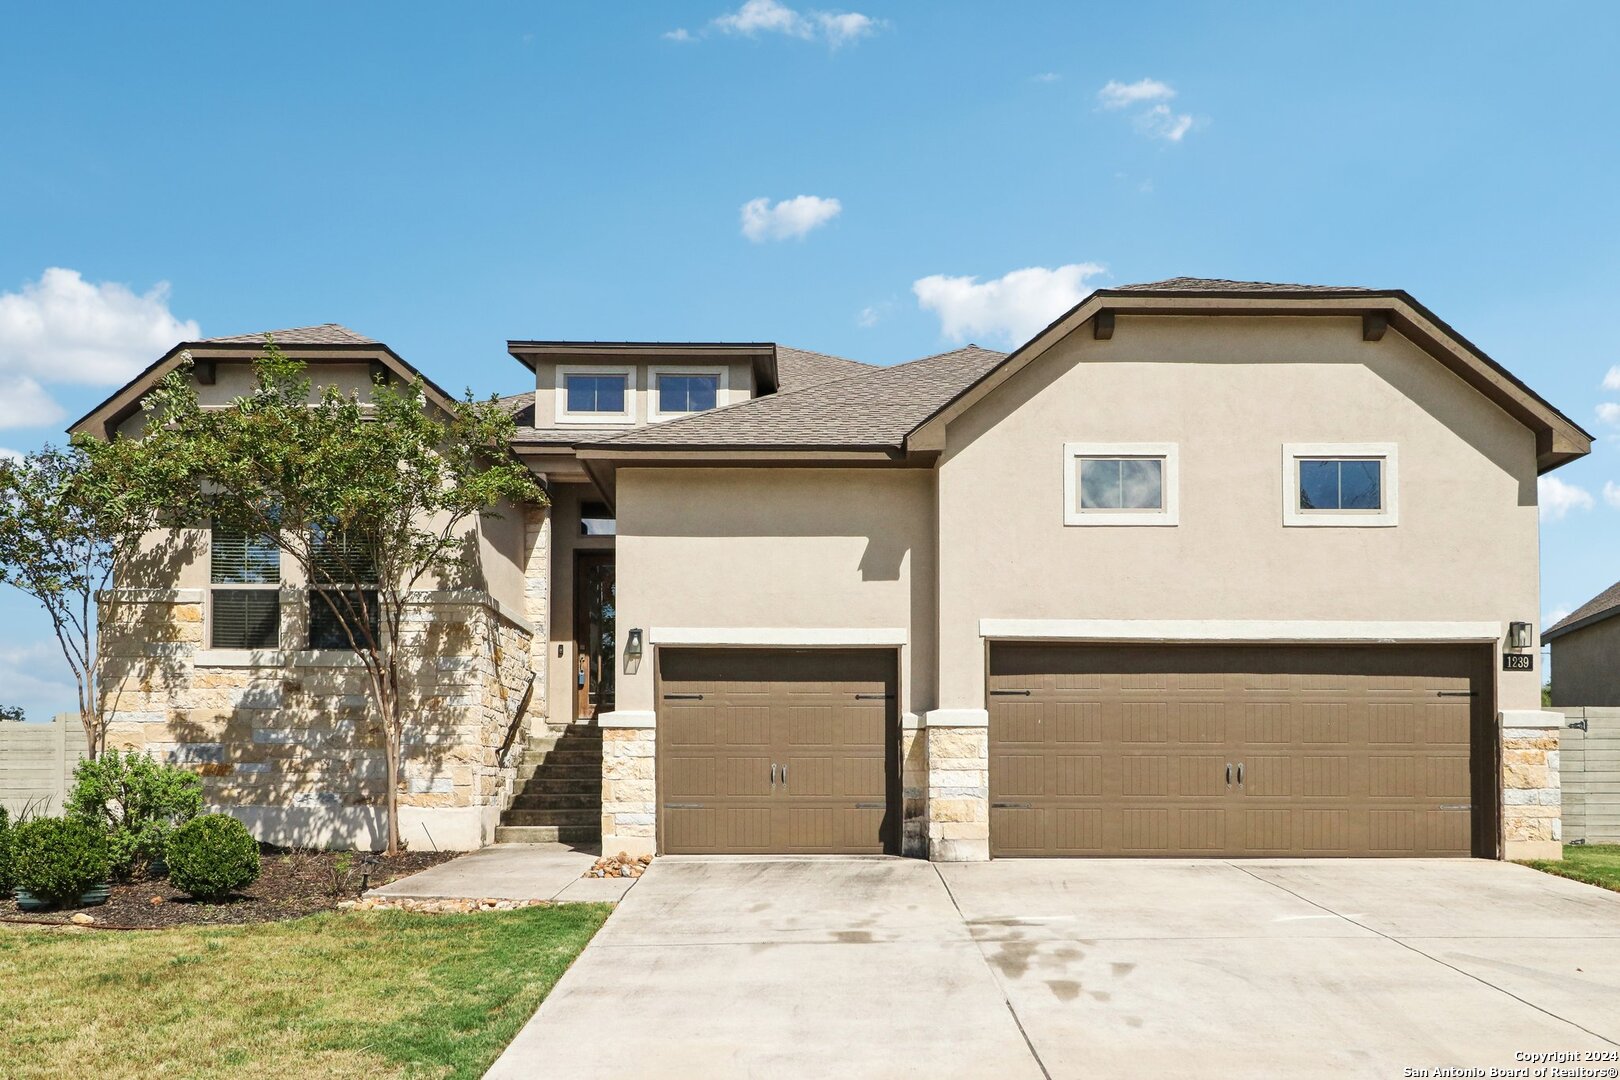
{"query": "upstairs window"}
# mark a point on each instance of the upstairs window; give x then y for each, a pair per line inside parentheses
(682, 391)
(596, 519)
(343, 560)
(595, 395)
(244, 610)
(1119, 484)
(1339, 484)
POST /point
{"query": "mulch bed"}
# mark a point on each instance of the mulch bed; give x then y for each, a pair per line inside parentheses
(291, 883)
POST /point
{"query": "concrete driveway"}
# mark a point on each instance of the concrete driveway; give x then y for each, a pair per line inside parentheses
(887, 967)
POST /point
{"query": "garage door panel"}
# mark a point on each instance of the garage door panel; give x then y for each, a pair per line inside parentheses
(777, 751)
(1326, 736)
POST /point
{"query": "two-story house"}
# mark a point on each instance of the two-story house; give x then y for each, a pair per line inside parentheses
(1203, 568)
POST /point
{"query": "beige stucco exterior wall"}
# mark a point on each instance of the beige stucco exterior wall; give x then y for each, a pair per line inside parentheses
(1231, 392)
(1586, 665)
(778, 548)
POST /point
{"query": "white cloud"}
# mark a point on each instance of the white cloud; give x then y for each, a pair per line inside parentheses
(1609, 413)
(872, 314)
(845, 27)
(13, 455)
(1611, 493)
(1158, 120)
(1118, 95)
(1557, 498)
(1046, 77)
(755, 17)
(789, 219)
(24, 403)
(66, 329)
(680, 33)
(1010, 308)
(37, 678)
(1554, 616)
(1611, 381)
(1161, 123)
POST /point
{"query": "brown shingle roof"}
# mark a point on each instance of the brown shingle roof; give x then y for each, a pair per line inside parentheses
(1600, 607)
(875, 409)
(798, 368)
(325, 334)
(1203, 285)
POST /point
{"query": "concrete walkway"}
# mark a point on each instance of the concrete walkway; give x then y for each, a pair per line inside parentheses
(512, 872)
(893, 968)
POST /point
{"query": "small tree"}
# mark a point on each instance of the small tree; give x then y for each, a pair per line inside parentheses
(11, 713)
(369, 498)
(72, 521)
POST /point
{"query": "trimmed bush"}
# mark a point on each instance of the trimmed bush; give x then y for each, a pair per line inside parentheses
(211, 856)
(5, 852)
(58, 859)
(137, 802)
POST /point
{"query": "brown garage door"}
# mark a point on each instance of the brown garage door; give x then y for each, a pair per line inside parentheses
(789, 751)
(1228, 750)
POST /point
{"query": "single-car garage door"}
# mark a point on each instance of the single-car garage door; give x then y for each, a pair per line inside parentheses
(787, 751)
(1241, 750)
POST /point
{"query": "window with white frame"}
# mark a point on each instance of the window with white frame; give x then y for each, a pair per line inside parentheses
(1339, 484)
(1120, 484)
(244, 596)
(590, 394)
(681, 391)
(337, 610)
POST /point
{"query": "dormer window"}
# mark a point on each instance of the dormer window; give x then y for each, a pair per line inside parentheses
(595, 395)
(681, 391)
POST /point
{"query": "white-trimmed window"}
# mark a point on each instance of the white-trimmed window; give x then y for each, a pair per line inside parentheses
(595, 394)
(1340, 484)
(682, 391)
(335, 610)
(1120, 484)
(244, 595)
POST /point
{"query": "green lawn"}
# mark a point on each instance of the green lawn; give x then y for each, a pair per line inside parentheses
(374, 994)
(1595, 864)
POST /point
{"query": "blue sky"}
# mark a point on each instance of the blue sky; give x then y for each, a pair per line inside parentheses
(444, 177)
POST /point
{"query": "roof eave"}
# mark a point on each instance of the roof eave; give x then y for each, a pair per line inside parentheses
(1580, 624)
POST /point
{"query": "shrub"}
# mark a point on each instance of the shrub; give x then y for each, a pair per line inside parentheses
(211, 856)
(137, 801)
(5, 852)
(58, 859)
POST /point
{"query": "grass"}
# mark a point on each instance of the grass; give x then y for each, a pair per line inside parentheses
(374, 994)
(1595, 864)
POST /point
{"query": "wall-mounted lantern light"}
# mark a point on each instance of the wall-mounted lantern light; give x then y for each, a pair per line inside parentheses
(1518, 635)
(632, 644)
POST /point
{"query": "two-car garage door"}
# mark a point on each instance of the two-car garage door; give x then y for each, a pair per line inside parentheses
(1231, 750)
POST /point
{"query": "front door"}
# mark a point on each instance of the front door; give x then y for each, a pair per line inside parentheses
(593, 635)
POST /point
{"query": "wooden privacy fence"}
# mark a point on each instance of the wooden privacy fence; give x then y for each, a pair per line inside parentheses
(36, 763)
(1589, 770)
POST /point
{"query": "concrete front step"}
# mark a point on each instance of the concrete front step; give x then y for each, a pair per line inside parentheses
(548, 834)
(548, 771)
(590, 817)
(552, 800)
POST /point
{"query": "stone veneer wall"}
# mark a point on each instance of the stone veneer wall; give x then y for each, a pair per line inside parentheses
(537, 601)
(288, 740)
(629, 788)
(913, 789)
(958, 792)
(1532, 802)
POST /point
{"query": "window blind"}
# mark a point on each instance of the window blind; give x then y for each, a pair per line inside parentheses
(245, 619)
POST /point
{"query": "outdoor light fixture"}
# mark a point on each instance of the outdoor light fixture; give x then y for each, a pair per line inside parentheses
(1518, 635)
(632, 644)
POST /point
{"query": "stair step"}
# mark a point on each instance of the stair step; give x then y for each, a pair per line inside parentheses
(582, 771)
(570, 757)
(557, 800)
(586, 816)
(540, 792)
(548, 834)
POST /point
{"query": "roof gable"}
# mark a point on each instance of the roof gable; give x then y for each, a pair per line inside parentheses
(1558, 438)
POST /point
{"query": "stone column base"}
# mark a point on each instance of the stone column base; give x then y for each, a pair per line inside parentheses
(958, 785)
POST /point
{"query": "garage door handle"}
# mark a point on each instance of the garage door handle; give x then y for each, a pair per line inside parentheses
(874, 697)
(1240, 774)
(773, 774)
(1012, 806)
(683, 697)
(1010, 693)
(1228, 774)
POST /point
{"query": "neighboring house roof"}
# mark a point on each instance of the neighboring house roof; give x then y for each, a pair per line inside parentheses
(1602, 606)
(1207, 285)
(315, 344)
(873, 410)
